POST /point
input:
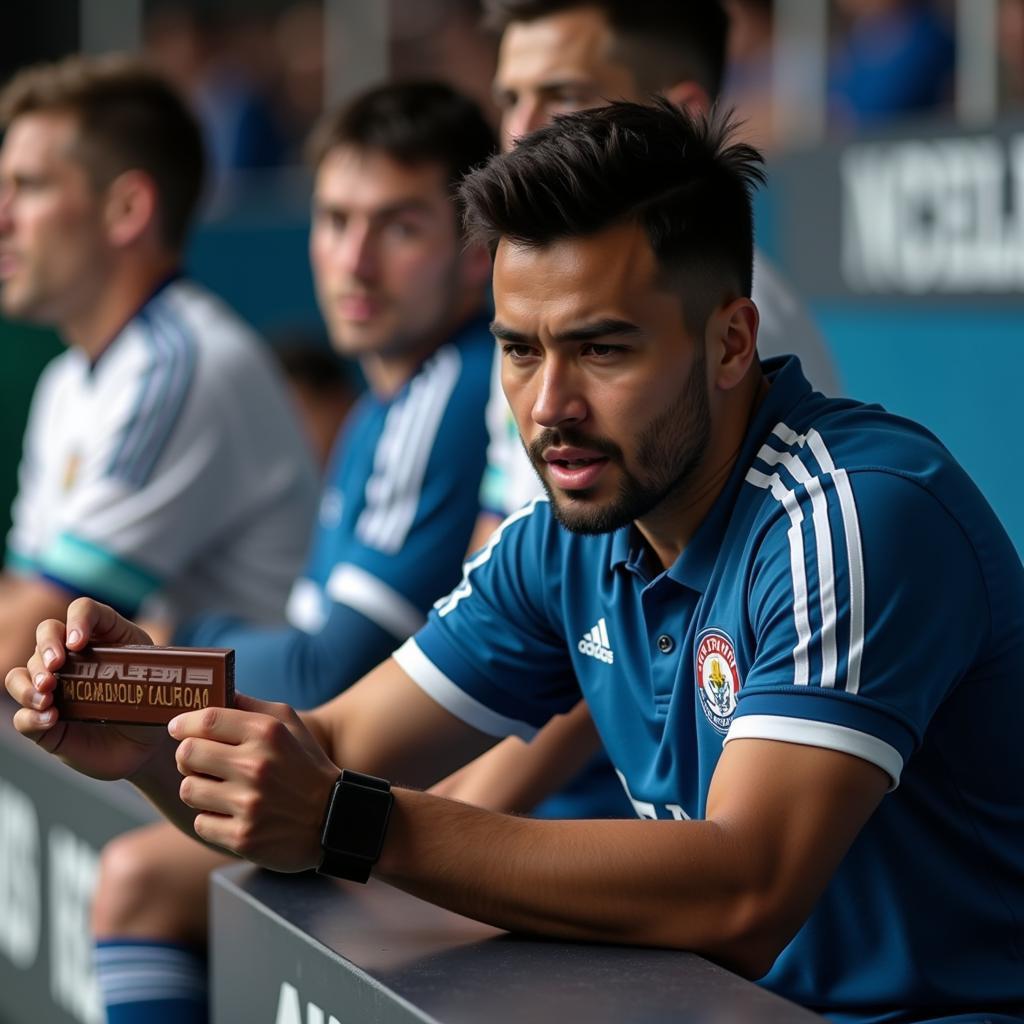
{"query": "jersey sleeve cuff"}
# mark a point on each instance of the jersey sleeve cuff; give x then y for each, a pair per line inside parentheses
(18, 564)
(369, 595)
(440, 687)
(84, 568)
(824, 720)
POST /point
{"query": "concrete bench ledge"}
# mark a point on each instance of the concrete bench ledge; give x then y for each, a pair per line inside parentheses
(307, 950)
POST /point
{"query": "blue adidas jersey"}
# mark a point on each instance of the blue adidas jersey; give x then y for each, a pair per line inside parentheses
(396, 510)
(395, 518)
(850, 589)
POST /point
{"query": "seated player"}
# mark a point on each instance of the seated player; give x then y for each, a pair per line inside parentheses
(796, 622)
(403, 295)
(557, 56)
(163, 466)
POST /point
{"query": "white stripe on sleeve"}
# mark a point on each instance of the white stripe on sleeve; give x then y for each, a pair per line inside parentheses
(788, 500)
(851, 533)
(438, 686)
(827, 735)
(355, 587)
(825, 556)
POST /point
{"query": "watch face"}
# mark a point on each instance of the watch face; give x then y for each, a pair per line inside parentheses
(355, 824)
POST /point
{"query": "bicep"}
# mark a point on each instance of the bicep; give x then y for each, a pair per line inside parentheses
(794, 810)
(387, 725)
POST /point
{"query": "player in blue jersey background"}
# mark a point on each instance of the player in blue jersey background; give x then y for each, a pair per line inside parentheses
(797, 624)
(402, 294)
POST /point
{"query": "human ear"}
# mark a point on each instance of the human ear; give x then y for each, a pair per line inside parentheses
(130, 207)
(732, 335)
(689, 96)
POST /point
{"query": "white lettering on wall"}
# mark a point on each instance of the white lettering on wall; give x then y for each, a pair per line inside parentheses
(289, 1008)
(940, 216)
(72, 875)
(20, 881)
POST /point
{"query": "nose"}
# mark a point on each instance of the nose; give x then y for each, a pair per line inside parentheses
(357, 252)
(559, 399)
(527, 115)
(6, 197)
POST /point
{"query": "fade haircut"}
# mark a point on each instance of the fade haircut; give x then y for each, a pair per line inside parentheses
(661, 42)
(681, 177)
(414, 123)
(128, 118)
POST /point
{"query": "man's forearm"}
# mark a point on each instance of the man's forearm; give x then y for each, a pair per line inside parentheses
(680, 884)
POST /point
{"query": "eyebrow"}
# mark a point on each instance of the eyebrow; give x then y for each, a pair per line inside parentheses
(606, 328)
(546, 87)
(395, 209)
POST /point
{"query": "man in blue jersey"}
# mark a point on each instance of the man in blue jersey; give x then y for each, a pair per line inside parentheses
(403, 295)
(555, 57)
(797, 624)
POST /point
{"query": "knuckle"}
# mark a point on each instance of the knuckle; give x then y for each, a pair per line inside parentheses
(252, 804)
(209, 718)
(258, 770)
(243, 839)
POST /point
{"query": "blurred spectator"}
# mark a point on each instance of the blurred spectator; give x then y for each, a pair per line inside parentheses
(895, 57)
(226, 68)
(298, 36)
(443, 39)
(747, 85)
(1011, 51)
(323, 390)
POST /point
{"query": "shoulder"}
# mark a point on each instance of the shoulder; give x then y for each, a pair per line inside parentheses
(193, 315)
(842, 472)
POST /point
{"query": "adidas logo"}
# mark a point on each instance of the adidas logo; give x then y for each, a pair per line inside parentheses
(595, 643)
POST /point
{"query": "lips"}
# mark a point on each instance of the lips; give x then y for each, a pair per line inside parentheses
(358, 307)
(575, 469)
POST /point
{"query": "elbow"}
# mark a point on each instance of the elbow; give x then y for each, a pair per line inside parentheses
(757, 928)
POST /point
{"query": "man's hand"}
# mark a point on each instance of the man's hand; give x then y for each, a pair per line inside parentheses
(259, 780)
(102, 751)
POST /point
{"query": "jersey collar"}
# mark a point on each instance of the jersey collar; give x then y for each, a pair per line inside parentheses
(161, 285)
(694, 566)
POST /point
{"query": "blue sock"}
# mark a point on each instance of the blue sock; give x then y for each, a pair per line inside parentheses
(151, 982)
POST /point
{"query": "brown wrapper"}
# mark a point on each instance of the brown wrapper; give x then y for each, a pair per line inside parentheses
(141, 685)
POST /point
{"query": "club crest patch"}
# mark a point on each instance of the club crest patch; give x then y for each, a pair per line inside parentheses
(718, 679)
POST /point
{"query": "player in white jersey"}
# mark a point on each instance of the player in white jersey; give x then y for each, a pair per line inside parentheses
(163, 466)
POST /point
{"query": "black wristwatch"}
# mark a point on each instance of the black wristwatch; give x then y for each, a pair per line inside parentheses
(355, 823)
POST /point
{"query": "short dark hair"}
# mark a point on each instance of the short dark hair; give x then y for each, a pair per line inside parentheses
(660, 41)
(128, 118)
(419, 122)
(680, 176)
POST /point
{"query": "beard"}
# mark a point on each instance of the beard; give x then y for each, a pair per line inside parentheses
(669, 450)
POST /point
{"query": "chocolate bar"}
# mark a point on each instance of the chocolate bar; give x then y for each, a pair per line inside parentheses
(141, 685)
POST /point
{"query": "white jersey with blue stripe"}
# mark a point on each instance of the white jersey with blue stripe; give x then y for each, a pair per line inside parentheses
(170, 475)
(850, 589)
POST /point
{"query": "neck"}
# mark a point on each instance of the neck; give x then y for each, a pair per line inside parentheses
(670, 526)
(123, 294)
(387, 372)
